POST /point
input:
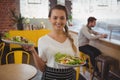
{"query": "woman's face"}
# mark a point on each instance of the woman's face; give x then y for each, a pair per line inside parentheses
(58, 19)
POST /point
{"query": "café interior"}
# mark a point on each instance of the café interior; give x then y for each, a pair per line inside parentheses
(29, 19)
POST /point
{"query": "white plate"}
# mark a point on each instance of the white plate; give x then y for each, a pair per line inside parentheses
(68, 65)
(15, 42)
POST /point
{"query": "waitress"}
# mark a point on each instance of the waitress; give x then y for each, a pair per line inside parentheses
(58, 40)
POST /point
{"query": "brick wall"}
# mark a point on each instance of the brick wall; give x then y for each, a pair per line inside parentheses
(5, 20)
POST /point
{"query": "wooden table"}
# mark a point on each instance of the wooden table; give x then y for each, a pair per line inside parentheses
(17, 72)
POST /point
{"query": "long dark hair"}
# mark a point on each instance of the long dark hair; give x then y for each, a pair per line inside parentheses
(61, 7)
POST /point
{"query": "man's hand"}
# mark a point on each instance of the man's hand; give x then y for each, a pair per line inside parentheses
(104, 35)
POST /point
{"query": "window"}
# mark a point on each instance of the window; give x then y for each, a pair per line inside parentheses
(98, 8)
(34, 8)
(107, 13)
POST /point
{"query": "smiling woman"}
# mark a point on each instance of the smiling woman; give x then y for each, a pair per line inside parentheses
(59, 40)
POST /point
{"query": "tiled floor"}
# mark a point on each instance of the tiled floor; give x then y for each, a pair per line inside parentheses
(86, 75)
(38, 76)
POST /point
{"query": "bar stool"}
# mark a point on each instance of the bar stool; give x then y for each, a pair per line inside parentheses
(115, 74)
(106, 63)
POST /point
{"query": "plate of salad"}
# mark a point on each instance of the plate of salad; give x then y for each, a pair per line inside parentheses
(17, 40)
(68, 60)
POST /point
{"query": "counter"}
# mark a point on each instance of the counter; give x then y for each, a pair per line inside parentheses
(111, 41)
(108, 48)
(76, 30)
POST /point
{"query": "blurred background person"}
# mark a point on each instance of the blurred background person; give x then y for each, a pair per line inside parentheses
(84, 36)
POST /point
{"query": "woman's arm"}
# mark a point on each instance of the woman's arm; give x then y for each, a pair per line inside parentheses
(39, 63)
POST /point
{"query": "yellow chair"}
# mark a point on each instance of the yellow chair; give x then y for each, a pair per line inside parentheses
(84, 57)
(84, 68)
(77, 72)
(2, 45)
(18, 57)
(32, 35)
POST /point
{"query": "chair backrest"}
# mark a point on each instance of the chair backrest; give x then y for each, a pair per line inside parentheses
(2, 45)
(18, 57)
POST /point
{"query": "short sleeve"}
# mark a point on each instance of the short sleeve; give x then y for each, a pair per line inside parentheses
(41, 50)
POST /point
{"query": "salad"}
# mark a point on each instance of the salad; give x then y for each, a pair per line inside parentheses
(19, 39)
(67, 59)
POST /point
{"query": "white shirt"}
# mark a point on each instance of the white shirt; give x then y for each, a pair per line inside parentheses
(85, 35)
(48, 47)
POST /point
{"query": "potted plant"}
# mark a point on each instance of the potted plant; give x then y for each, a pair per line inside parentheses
(18, 19)
(70, 20)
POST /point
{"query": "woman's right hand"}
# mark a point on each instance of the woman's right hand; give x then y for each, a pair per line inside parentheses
(40, 64)
(28, 48)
